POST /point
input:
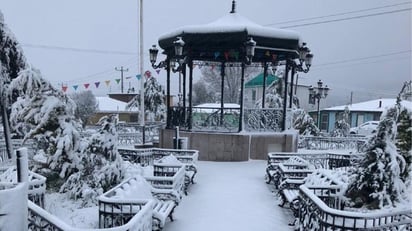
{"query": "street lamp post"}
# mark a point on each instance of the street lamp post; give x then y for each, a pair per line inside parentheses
(315, 94)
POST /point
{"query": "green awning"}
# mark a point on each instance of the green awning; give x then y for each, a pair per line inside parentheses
(258, 81)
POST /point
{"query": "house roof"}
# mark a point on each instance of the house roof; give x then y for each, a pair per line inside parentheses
(258, 81)
(106, 104)
(377, 105)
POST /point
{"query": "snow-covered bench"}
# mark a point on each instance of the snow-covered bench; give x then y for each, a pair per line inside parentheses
(327, 184)
(148, 156)
(168, 173)
(122, 202)
(293, 168)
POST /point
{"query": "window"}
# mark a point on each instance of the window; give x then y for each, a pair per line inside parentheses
(324, 121)
(253, 95)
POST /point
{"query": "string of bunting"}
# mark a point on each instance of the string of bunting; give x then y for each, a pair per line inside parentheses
(87, 86)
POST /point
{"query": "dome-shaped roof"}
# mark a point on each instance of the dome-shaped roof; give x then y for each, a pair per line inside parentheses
(228, 34)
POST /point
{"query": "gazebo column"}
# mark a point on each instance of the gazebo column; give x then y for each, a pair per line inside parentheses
(168, 110)
(265, 75)
(285, 95)
(292, 76)
(242, 88)
(183, 107)
(189, 118)
(222, 89)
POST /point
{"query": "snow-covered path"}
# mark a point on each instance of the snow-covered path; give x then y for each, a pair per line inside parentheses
(229, 196)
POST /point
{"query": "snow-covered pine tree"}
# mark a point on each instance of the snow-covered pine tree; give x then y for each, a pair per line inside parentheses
(404, 140)
(12, 61)
(45, 114)
(101, 165)
(377, 182)
(273, 97)
(304, 123)
(342, 126)
(154, 97)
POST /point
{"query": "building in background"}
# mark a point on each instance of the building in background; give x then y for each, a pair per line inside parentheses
(359, 112)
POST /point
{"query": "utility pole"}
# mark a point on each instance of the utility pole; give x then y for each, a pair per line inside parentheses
(121, 69)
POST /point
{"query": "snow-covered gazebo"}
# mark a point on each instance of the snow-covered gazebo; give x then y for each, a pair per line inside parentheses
(232, 40)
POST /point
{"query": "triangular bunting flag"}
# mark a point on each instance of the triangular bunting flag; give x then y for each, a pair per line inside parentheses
(227, 55)
(97, 84)
(75, 87)
(267, 53)
(107, 82)
(217, 54)
(236, 54)
(138, 76)
(117, 81)
(64, 88)
(158, 71)
(86, 85)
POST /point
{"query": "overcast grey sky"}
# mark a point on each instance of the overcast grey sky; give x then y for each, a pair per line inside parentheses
(367, 53)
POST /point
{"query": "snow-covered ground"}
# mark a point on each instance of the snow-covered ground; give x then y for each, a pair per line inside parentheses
(230, 196)
(226, 196)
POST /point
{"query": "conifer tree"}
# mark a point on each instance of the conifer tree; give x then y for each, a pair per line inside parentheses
(404, 140)
(154, 97)
(377, 182)
(101, 165)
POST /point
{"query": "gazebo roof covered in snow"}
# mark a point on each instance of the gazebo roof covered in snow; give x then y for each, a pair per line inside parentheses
(224, 39)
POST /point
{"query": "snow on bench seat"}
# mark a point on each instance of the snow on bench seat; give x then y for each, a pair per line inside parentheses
(123, 201)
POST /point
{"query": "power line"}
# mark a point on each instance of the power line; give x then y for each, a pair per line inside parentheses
(338, 14)
(347, 18)
(365, 58)
(121, 69)
(108, 52)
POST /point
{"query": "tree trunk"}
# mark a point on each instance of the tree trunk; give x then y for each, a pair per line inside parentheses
(6, 127)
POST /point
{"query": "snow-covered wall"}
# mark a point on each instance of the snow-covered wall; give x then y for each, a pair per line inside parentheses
(13, 206)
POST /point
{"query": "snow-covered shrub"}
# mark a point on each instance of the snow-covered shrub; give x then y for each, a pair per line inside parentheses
(101, 165)
(377, 182)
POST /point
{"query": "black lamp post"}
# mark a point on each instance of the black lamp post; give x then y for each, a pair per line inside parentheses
(315, 94)
(250, 45)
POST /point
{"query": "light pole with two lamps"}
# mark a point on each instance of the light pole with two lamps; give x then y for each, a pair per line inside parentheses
(317, 93)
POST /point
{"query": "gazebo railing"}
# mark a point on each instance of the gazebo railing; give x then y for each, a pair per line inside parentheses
(212, 119)
(266, 119)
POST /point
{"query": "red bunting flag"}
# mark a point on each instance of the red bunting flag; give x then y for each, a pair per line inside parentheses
(227, 55)
(97, 84)
(86, 85)
(64, 88)
(147, 74)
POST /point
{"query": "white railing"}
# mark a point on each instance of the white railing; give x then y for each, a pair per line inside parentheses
(315, 214)
(36, 184)
(40, 219)
(332, 143)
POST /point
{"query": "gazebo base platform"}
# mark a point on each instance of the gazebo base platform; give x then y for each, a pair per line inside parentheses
(233, 146)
